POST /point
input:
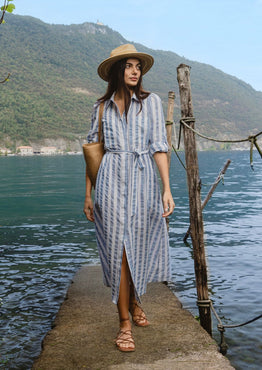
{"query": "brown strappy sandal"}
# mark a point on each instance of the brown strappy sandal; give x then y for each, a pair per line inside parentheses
(138, 319)
(124, 340)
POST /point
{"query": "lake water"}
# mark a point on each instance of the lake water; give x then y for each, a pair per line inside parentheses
(45, 238)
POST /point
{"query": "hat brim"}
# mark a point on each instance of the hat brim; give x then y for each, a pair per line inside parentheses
(103, 69)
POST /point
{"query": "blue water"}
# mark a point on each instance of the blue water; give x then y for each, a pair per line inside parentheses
(45, 238)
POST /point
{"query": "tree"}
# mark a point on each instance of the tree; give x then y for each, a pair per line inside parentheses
(7, 7)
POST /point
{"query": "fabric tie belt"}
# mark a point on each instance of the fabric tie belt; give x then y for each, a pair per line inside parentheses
(136, 153)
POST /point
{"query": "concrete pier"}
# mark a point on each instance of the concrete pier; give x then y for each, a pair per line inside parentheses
(87, 323)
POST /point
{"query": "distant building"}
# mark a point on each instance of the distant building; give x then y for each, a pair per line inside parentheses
(48, 150)
(25, 150)
(5, 151)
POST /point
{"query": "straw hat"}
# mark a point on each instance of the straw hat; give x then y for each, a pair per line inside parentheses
(121, 52)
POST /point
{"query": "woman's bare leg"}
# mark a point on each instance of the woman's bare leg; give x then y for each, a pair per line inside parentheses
(124, 293)
(123, 341)
(135, 309)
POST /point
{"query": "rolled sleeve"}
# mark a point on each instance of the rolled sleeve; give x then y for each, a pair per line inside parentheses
(158, 139)
(158, 147)
(92, 136)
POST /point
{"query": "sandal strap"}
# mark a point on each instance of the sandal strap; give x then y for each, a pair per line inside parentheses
(139, 318)
(132, 310)
(133, 305)
(125, 332)
(119, 340)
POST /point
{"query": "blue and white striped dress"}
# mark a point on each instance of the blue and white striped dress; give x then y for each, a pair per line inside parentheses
(128, 204)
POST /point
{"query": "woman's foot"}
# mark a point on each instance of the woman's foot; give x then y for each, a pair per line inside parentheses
(124, 340)
(138, 315)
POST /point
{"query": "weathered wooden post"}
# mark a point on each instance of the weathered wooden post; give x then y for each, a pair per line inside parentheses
(169, 123)
(210, 193)
(194, 188)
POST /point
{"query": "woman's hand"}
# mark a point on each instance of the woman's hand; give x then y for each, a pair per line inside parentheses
(168, 203)
(162, 164)
(89, 209)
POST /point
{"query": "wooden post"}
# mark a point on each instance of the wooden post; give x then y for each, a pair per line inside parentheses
(210, 193)
(194, 188)
(169, 123)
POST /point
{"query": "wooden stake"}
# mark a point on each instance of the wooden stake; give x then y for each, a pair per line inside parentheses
(210, 193)
(194, 188)
(169, 123)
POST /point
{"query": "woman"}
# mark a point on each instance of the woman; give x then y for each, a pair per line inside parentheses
(128, 211)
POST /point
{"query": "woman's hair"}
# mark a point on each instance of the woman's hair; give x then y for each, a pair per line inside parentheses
(116, 83)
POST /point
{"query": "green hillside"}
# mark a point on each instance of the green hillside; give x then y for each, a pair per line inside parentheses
(54, 84)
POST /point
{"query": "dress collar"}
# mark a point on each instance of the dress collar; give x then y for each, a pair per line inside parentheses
(133, 97)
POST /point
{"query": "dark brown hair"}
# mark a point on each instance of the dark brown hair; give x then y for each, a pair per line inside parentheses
(116, 83)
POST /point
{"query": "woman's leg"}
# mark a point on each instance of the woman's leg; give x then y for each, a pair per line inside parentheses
(124, 293)
(138, 315)
(124, 341)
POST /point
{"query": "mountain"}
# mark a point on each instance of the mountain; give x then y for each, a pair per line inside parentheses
(54, 84)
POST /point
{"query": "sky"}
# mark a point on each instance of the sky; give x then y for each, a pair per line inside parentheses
(226, 34)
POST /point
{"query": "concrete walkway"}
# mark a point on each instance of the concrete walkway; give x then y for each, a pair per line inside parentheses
(87, 323)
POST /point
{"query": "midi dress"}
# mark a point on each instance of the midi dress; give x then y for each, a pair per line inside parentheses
(128, 204)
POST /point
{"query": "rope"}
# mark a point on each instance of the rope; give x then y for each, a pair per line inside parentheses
(252, 138)
(244, 323)
(221, 177)
(180, 160)
(192, 119)
(251, 153)
(204, 303)
(221, 327)
(179, 135)
(208, 303)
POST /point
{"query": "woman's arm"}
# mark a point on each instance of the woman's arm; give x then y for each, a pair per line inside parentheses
(92, 137)
(88, 205)
(162, 164)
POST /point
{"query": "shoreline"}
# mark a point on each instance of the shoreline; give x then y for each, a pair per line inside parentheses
(81, 153)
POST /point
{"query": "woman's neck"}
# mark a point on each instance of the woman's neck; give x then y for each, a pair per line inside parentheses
(119, 99)
(119, 95)
(120, 102)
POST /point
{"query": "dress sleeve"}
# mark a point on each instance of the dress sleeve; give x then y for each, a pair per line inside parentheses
(158, 139)
(92, 136)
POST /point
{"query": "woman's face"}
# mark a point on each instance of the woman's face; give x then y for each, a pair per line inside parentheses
(132, 72)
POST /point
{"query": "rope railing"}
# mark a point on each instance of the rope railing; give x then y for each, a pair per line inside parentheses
(221, 178)
(221, 328)
(180, 160)
(253, 142)
(252, 138)
(192, 119)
